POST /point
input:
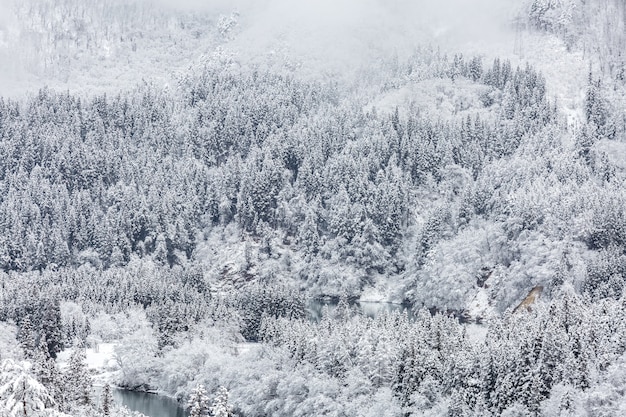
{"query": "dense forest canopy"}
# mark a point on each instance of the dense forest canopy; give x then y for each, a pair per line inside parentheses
(187, 220)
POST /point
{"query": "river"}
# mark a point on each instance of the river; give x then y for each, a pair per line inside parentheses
(151, 405)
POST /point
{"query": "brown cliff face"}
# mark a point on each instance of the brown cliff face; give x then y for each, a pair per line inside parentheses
(530, 299)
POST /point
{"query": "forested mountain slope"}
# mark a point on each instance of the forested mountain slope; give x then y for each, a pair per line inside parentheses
(297, 165)
(320, 187)
(178, 212)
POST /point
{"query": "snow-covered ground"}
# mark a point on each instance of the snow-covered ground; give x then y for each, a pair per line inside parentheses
(384, 290)
(615, 150)
(100, 361)
(476, 332)
(480, 308)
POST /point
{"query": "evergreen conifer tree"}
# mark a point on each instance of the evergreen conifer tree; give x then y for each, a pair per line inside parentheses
(20, 393)
(198, 402)
(27, 338)
(51, 325)
(78, 380)
(107, 399)
(45, 369)
(220, 407)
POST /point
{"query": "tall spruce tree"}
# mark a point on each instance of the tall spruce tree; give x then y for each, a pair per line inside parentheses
(221, 407)
(26, 337)
(106, 400)
(51, 325)
(198, 402)
(78, 381)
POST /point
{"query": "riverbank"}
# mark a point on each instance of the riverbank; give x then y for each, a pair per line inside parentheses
(105, 369)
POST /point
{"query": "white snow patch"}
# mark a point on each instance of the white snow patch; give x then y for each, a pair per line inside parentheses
(386, 289)
(616, 151)
(476, 332)
(246, 347)
(102, 357)
(373, 295)
(100, 360)
(479, 307)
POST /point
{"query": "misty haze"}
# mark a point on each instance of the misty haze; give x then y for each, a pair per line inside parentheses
(312, 208)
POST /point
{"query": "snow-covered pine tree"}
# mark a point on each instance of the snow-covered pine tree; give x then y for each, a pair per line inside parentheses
(308, 235)
(20, 393)
(106, 400)
(221, 407)
(51, 324)
(475, 69)
(26, 338)
(595, 107)
(160, 251)
(44, 368)
(78, 380)
(407, 375)
(509, 101)
(198, 402)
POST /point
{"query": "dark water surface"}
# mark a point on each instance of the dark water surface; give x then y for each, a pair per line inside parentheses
(152, 405)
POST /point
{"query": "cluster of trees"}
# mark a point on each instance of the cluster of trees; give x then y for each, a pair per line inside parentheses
(556, 359)
(147, 172)
(36, 301)
(563, 358)
(108, 202)
(55, 308)
(199, 403)
(256, 302)
(58, 39)
(301, 170)
(180, 222)
(36, 386)
(596, 28)
(432, 365)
